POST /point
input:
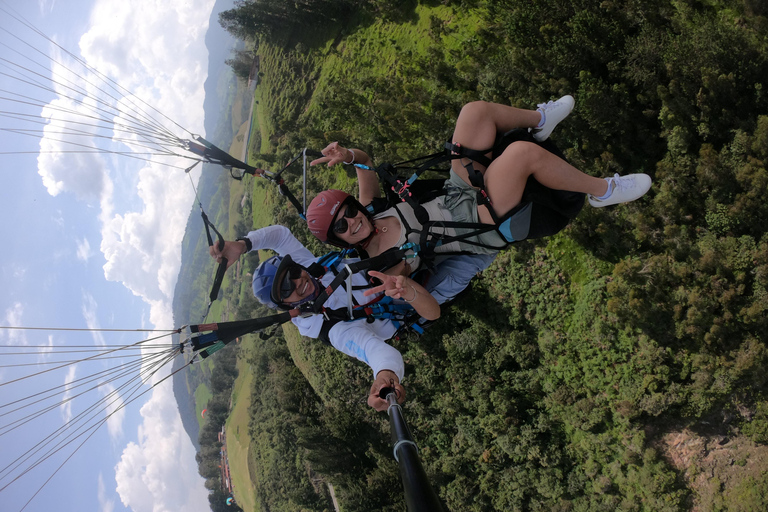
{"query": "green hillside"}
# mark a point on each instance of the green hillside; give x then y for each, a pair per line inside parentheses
(616, 366)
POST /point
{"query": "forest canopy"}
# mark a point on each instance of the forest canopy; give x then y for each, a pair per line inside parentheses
(561, 381)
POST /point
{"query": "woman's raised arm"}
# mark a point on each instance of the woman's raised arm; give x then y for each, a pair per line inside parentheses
(334, 154)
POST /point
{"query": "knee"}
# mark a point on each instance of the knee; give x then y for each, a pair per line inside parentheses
(474, 111)
(475, 127)
(522, 152)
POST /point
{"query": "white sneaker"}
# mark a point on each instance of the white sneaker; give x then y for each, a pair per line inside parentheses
(623, 189)
(554, 112)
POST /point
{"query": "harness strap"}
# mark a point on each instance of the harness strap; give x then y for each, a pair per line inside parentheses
(222, 268)
(512, 226)
(460, 151)
(473, 155)
(379, 309)
(283, 190)
(475, 176)
(385, 259)
(434, 159)
(330, 262)
(404, 222)
(484, 200)
(400, 187)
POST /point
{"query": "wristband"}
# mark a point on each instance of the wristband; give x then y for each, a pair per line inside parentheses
(248, 243)
(415, 294)
(353, 158)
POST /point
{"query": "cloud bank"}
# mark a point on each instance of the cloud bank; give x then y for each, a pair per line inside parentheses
(157, 51)
(150, 476)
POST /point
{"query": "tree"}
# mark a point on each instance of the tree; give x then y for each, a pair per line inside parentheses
(241, 63)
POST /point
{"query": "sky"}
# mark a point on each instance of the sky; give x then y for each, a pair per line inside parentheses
(94, 240)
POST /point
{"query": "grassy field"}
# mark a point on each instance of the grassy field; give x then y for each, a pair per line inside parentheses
(238, 438)
(262, 199)
(202, 395)
(262, 121)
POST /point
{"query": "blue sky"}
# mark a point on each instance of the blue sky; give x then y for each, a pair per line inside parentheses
(94, 241)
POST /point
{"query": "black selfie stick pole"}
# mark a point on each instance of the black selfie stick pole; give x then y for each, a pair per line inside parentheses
(419, 496)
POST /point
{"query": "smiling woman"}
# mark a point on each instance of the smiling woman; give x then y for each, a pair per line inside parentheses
(507, 184)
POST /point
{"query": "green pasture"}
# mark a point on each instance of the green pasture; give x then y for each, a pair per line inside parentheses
(238, 437)
(374, 50)
(202, 395)
(262, 199)
(262, 118)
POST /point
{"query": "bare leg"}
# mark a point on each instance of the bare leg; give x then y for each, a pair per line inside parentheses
(476, 128)
(478, 124)
(480, 121)
(506, 177)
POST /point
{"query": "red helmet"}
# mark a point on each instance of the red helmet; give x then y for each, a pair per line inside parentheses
(322, 210)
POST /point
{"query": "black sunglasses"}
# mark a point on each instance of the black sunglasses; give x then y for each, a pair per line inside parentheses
(287, 286)
(341, 225)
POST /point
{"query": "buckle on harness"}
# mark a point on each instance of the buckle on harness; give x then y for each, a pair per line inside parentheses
(410, 246)
(486, 199)
(403, 192)
(307, 309)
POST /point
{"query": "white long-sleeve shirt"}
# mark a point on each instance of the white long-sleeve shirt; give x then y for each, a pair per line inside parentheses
(359, 339)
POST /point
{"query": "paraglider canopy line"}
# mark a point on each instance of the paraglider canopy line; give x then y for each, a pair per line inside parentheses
(85, 329)
(93, 431)
(96, 356)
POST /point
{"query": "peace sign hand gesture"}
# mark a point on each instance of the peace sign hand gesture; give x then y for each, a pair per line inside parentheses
(334, 154)
(392, 286)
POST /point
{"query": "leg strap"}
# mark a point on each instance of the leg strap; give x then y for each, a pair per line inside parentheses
(459, 151)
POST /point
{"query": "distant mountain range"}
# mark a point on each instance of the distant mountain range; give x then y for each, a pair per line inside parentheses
(218, 129)
(220, 45)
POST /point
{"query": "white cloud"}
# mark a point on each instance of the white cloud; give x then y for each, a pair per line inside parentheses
(115, 413)
(156, 51)
(46, 350)
(91, 318)
(84, 174)
(66, 406)
(13, 318)
(84, 251)
(142, 248)
(46, 6)
(19, 271)
(158, 473)
(105, 503)
(58, 219)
